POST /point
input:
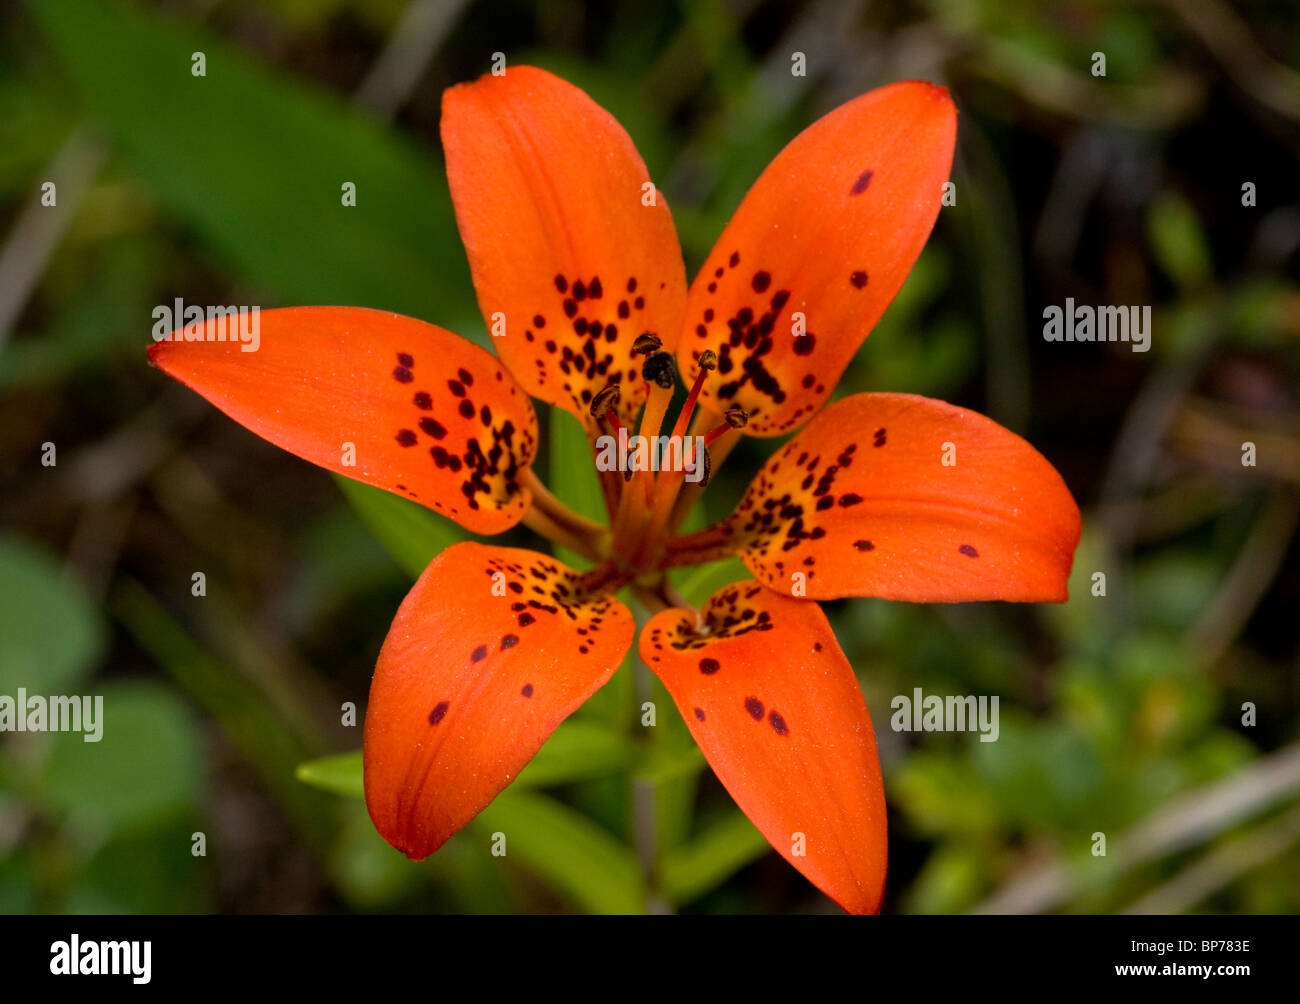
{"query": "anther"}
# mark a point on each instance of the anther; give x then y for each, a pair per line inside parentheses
(646, 343)
(605, 400)
(708, 360)
(660, 369)
(734, 417)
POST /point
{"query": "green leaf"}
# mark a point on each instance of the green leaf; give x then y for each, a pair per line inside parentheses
(50, 633)
(412, 534)
(340, 774)
(576, 751)
(724, 848)
(705, 580)
(567, 851)
(256, 163)
(1178, 240)
(146, 764)
(268, 742)
(574, 479)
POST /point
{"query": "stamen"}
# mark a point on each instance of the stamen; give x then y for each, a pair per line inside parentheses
(708, 363)
(660, 371)
(661, 502)
(735, 417)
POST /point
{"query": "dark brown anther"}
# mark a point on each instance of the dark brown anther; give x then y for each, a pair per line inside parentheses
(708, 360)
(660, 369)
(605, 400)
(646, 343)
(736, 416)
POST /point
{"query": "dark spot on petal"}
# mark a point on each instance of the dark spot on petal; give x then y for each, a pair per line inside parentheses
(402, 375)
(528, 690)
(699, 713)
(423, 401)
(509, 641)
(864, 545)
(479, 654)
(761, 281)
(860, 186)
(436, 715)
(969, 551)
(709, 666)
(858, 279)
(778, 723)
(755, 707)
(406, 437)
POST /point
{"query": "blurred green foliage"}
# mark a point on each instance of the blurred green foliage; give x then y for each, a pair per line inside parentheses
(226, 708)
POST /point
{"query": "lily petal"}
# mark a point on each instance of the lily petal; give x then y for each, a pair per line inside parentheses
(906, 498)
(403, 405)
(774, 705)
(569, 243)
(492, 648)
(816, 252)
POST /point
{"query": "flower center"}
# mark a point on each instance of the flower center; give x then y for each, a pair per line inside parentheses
(654, 467)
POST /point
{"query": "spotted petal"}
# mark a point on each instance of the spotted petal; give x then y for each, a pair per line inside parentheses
(381, 398)
(489, 652)
(572, 250)
(906, 498)
(774, 705)
(816, 252)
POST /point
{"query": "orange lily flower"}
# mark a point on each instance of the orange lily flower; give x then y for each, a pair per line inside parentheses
(575, 253)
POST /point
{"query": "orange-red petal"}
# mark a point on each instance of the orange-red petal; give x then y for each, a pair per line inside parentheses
(384, 399)
(774, 705)
(816, 252)
(569, 244)
(489, 652)
(907, 498)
